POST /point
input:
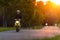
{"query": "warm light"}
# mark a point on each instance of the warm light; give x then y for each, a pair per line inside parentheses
(44, 1)
(57, 2)
(37, 0)
(41, 0)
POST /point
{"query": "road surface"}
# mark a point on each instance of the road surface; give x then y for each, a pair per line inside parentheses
(47, 31)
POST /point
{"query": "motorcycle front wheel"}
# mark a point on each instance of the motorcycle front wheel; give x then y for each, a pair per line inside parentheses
(17, 30)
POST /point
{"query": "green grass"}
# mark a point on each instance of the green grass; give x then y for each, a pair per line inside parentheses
(34, 27)
(54, 38)
(6, 29)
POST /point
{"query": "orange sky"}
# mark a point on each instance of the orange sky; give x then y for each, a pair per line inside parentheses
(57, 2)
(51, 11)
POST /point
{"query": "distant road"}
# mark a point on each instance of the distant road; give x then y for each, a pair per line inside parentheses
(47, 31)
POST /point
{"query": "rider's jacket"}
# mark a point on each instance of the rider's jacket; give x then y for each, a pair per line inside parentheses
(18, 16)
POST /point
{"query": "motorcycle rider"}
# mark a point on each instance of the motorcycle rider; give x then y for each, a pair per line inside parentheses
(17, 20)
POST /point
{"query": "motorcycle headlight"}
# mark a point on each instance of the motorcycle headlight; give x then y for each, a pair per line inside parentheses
(17, 21)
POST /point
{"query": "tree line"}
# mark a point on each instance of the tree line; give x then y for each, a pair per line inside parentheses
(31, 15)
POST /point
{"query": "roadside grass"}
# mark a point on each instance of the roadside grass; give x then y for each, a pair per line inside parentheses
(34, 27)
(6, 28)
(53, 38)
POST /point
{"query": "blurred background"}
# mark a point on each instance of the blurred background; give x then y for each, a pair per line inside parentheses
(34, 12)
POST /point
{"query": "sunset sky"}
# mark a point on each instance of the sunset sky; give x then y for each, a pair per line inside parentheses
(51, 10)
(57, 2)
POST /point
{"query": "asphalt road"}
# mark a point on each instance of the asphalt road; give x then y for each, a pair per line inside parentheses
(47, 31)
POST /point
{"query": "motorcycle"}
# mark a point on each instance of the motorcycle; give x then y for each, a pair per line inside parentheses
(17, 24)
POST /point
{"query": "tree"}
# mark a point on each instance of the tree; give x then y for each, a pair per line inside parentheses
(31, 15)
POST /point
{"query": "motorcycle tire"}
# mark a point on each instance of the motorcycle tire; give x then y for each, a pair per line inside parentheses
(17, 30)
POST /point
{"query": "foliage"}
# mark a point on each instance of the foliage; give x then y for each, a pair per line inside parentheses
(54, 38)
(6, 29)
(31, 16)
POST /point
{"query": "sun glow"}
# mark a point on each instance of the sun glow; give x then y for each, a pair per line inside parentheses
(44, 1)
(37, 0)
(57, 2)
